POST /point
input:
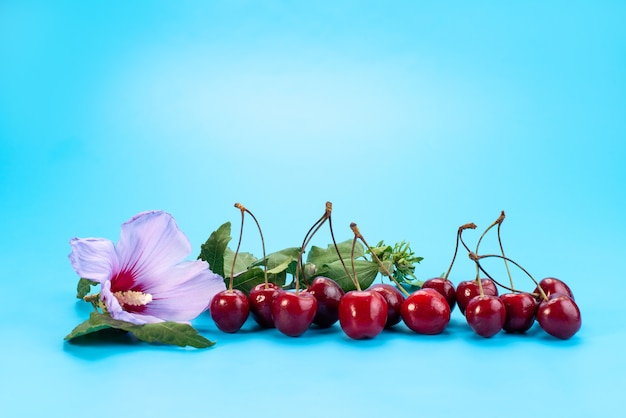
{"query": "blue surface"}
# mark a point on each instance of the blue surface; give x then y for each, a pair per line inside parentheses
(411, 117)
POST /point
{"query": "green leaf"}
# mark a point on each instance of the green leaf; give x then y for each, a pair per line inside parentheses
(84, 287)
(164, 332)
(172, 333)
(279, 257)
(280, 268)
(243, 262)
(320, 256)
(248, 279)
(366, 273)
(95, 323)
(212, 251)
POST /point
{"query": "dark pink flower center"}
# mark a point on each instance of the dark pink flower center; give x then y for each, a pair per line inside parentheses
(123, 282)
(129, 294)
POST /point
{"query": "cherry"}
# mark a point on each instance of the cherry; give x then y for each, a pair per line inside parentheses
(261, 297)
(293, 312)
(229, 310)
(466, 290)
(485, 315)
(444, 287)
(426, 311)
(328, 294)
(394, 298)
(520, 311)
(559, 316)
(553, 285)
(362, 314)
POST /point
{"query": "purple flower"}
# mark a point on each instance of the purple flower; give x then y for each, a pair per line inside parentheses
(144, 278)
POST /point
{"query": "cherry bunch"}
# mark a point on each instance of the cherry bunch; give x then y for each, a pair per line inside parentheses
(364, 313)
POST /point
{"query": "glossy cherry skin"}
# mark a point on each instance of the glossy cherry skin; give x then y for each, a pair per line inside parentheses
(467, 290)
(443, 286)
(293, 312)
(559, 316)
(426, 311)
(261, 297)
(229, 310)
(553, 285)
(520, 311)
(394, 298)
(362, 314)
(328, 294)
(485, 315)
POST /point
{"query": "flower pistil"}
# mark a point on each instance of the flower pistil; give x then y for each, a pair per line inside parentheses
(133, 298)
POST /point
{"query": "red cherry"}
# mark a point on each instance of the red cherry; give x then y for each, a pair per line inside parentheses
(553, 285)
(469, 289)
(485, 315)
(443, 286)
(229, 310)
(520, 311)
(559, 317)
(328, 294)
(293, 312)
(426, 311)
(394, 298)
(362, 314)
(261, 297)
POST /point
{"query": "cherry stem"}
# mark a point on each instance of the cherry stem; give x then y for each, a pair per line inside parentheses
(506, 263)
(456, 249)
(358, 235)
(471, 253)
(307, 239)
(241, 207)
(496, 222)
(232, 269)
(332, 235)
(476, 258)
(354, 278)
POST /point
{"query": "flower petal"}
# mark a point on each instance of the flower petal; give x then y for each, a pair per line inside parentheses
(151, 243)
(186, 294)
(93, 258)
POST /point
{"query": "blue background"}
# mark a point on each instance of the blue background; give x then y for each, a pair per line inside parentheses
(411, 117)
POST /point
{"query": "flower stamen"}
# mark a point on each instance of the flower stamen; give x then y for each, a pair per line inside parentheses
(133, 298)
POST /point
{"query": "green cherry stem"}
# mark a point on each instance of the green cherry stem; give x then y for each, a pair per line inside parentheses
(354, 278)
(358, 235)
(496, 222)
(307, 239)
(476, 258)
(232, 269)
(456, 249)
(472, 255)
(506, 263)
(241, 207)
(332, 236)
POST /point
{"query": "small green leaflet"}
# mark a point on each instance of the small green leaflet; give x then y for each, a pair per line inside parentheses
(212, 251)
(84, 287)
(172, 333)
